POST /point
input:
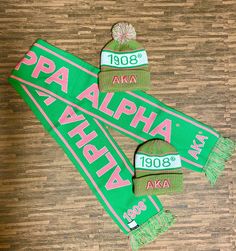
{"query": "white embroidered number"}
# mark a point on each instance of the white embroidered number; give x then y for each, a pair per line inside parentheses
(124, 60)
(156, 162)
(136, 210)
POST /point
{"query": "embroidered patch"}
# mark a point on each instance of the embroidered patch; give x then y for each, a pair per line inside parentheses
(124, 79)
(124, 60)
(169, 161)
(158, 184)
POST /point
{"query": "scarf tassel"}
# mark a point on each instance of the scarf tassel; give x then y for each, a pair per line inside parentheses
(148, 231)
(221, 152)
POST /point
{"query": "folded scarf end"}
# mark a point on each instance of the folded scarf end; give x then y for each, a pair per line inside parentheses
(222, 151)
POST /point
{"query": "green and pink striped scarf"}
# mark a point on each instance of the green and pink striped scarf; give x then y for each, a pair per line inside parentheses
(62, 91)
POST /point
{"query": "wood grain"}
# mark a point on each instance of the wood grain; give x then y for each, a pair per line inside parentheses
(191, 45)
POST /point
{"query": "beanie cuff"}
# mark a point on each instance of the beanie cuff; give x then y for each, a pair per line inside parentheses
(124, 80)
(158, 184)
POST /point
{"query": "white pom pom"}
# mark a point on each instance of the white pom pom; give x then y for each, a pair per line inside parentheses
(123, 32)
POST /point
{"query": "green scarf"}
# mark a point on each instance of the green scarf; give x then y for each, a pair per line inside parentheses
(62, 91)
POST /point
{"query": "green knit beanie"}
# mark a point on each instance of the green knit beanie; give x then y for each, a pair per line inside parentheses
(124, 63)
(157, 169)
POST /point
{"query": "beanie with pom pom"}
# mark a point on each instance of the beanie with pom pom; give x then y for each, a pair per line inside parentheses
(124, 62)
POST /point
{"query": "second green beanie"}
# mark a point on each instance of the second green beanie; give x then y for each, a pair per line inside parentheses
(157, 169)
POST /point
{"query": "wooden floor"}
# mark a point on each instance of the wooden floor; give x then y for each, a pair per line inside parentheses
(191, 45)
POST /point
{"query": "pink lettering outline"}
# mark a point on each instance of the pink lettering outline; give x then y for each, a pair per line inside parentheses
(77, 159)
(197, 147)
(103, 107)
(79, 130)
(66, 60)
(132, 94)
(90, 113)
(49, 100)
(115, 180)
(91, 153)
(63, 81)
(69, 116)
(167, 123)
(149, 185)
(87, 94)
(166, 183)
(174, 114)
(32, 60)
(122, 108)
(202, 138)
(111, 163)
(40, 66)
(194, 153)
(78, 107)
(139, 117)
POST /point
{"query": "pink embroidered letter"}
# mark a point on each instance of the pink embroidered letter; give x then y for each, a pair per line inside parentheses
(115, 181)
(44, 65)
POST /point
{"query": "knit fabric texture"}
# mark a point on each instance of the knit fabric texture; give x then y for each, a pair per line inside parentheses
(124, 63)
(157, 169)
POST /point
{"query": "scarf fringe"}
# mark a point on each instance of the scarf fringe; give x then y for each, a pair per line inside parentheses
(148, 231)
(221, 152)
